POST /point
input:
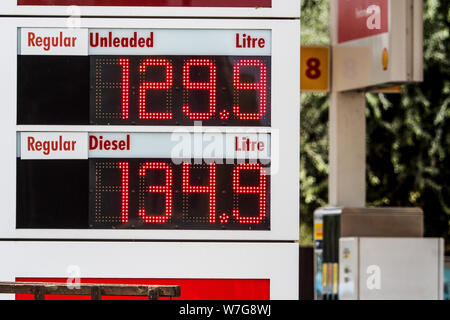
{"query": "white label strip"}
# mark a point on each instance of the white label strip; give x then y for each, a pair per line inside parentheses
(179, 42)
(48, 41)
(53, 145)
(180, 145)
(177, 145)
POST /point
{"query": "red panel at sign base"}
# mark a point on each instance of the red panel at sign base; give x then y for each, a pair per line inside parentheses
(362, 18)
(151, 3)
(191, 289)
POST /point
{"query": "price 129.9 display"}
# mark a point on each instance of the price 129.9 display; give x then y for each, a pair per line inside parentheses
(178, 90)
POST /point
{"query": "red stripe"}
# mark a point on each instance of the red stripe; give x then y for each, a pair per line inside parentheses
(151, 3)
(191, 289)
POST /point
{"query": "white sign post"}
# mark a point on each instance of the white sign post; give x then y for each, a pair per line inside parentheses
(375, 43)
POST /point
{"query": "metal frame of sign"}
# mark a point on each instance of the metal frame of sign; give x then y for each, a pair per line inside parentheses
(277, 262)
(221, 8)
(382, 56)
(284, 130)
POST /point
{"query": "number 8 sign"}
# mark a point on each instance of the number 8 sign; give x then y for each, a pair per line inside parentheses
(314, 70)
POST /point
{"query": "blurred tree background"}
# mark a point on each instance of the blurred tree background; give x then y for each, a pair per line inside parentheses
(408, 134)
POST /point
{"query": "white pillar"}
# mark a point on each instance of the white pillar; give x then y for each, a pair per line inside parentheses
(347, 149)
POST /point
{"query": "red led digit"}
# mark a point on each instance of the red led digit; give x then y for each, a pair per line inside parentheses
(210, 189)
(143, 114)
(125, 190)
(210, 86)
(125, 63)
(260, 190)
(260, 86)
(166, 189)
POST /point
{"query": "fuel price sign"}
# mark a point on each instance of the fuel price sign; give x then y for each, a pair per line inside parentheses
(151, 129)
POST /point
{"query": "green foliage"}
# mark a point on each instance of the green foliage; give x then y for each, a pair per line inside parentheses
(408, 135)
(313, 125)
(315, 22)
(313, 160)
(408, 152)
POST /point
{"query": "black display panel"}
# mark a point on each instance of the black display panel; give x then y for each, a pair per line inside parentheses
(144, 90)
(142, 194)
(52, 90)
(52, 194)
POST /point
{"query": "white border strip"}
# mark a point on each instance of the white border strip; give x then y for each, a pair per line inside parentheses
(183, 260)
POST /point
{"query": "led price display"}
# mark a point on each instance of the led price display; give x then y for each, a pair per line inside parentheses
(179, 90)
(143, 194)
(144, 90)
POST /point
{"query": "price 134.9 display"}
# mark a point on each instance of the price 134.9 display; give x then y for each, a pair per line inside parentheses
(158, 194)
